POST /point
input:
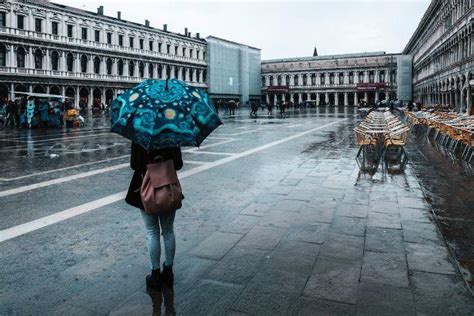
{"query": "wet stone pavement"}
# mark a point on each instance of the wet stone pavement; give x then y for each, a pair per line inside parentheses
(277, 220)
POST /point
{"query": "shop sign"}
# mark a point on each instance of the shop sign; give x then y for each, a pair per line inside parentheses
(278, 89)
(371, 86)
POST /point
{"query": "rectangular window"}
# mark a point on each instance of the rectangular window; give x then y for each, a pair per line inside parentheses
(70, 31)
(38, 24)
(55, 28)
(120, 40)
(109, 38)
(132, 42)
(20, 22)
(84, 34)
(151, 46)
(168, 47)
(176, 50)
(3, 19)
(97, 35)
(204, 55)
(3, 58)
(159, 47)
(142, 43)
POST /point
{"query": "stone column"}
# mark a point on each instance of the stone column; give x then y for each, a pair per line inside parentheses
(76, 101)
(318, 79)
(267, 99)
(12, 91)
(163, 72)
(283, 80)
(356, 100)
(461, 99)
(366, 76)
(201, 76)
(275, 100)
(267, 82)
(292, 80)
(346, 99)
(377, 74)
(103, 98)
(300, 79)
(12, 59)
(326, 99)
(125, 69)
(173, 73)
(469, 99)
(91, 97)
(114, 67)
(336, 79)
(326, 81)
(317, 99)
(146, 70)
(336, 99)
(366, 97)
(376, 96)
(292, 97)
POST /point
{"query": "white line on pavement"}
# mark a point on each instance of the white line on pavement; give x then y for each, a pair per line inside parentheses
(28, 227)
(194, 162)
(61, 180)
(209, 153)
(62, 169)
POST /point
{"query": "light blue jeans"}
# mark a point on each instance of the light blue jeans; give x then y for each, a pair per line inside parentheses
(152, 225)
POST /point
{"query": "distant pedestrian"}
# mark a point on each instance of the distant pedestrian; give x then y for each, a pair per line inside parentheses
(158, 281)
(282, 109)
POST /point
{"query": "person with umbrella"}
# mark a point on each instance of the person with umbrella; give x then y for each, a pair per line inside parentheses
(159, 117)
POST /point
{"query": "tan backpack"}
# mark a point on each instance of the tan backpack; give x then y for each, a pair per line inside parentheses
(161, 191)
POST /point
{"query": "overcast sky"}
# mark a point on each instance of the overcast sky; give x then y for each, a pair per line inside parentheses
(281, 28)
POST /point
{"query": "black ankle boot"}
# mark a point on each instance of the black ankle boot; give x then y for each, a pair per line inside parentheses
(153, 280)
(167, 276)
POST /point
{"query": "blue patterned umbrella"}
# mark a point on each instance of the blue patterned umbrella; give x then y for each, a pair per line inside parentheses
(161, 114)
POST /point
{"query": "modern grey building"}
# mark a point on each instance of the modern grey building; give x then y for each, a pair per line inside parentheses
(233, 70)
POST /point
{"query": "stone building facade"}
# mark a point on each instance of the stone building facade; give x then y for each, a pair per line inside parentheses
(51, 48)
(331, 80)
(443, 55)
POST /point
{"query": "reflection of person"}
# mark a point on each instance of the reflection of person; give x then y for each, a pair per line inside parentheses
(70, 116)
(157, 284)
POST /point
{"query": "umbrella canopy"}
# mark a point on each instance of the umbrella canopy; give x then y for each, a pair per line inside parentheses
(164, 113)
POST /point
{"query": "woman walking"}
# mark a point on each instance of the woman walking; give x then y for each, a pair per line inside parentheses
(158, 283)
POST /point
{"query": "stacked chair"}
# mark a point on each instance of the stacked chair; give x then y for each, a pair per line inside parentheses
(453, 131)
(381, 135)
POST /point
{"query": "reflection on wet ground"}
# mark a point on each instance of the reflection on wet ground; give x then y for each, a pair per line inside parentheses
(448, 184)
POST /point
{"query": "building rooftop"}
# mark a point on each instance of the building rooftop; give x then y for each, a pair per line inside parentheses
(231, 42)
(328, 57)
(113, 19)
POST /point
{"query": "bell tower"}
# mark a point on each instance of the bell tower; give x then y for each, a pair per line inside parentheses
(315, 52)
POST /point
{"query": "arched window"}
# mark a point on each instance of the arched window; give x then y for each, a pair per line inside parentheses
(3, 55)
(54, 60)
(305, 80)
(278, 80)
(150, 70)
(83, 63)
(168, 71)
(131, 69)
(97, 65)
(351, 77)
(70, 62)
(109, 66)
(341, 78)
(331, 78)
(141, 69)
(20, 57)
(271, 81)
(38, 59)
(120, 67)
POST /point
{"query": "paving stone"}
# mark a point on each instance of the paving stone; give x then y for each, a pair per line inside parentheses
(290, 181)
(383, 207)
(241, 224)
(343, 247)
(286, 205)
(412, 202)
(334, 280)
(376, 299)
(261, 237)
(429, 258)
(280, 190)
(278, 281)
(299, 264)
(301, 195)
(138, 304)
(359, 199)
(309, 307)
(355, 210)
(418, 232)
(337, 184)
(207, 298)
(216, 245)
(238, 266)
(384, 240)
(382, 196)
(311, 233)
(384, 220)
(297, 248)
(439, 294)
(282, 219)
(317, 215)
(385, 268)
(327, 193)
(256, 209)
(417, 215)
(264, 303)
(348, 226)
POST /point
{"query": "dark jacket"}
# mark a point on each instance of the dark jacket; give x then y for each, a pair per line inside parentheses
(139, 158)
